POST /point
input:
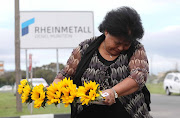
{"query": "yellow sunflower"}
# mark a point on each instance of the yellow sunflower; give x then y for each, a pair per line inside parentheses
(88, 92)
(23, 83)
(69, 91)
(54, 93)
(38, 95)
(26, 93)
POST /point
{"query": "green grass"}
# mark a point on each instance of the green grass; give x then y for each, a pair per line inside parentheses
(156, 88)
(8, 107)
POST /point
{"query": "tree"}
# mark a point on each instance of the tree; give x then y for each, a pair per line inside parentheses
(48, 72)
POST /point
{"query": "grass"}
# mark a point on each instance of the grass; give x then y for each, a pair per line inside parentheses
(8, 107)
(156, 88)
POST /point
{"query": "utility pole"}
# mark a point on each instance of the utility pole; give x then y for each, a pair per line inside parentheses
(17, 55)
(176, 66)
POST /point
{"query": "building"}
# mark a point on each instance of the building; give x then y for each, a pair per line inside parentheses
(1, 68)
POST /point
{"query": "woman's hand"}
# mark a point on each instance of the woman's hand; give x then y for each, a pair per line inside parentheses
(110, 99)
(56, 81)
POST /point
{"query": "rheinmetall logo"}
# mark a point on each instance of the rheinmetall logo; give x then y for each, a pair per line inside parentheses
(24, 26)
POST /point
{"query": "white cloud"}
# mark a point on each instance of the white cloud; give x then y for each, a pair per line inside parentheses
(158, 63)
(162, 48)
(172, 28)
(6, 13)
(7, 41)
(46, 56)
(7, 48)
(165, 42)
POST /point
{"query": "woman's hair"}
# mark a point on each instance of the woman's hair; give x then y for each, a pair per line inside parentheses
(123, 22)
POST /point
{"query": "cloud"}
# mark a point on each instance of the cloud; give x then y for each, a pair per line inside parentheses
(7, 47)
(162, 48)
(7, 41)
(164, 42)
(158, 63)
(46, 56)
(7, 14)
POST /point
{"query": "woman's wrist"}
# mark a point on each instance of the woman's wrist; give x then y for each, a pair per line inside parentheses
(115, 93)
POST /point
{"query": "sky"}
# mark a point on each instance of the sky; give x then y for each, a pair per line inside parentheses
(160, 19)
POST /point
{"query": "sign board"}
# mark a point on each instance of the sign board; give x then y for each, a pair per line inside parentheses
(41, 29)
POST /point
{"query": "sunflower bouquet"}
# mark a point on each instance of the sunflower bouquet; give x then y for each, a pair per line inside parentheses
(25, 89)
(38, 95)
(30, 93)
(62, 92)
(90, 93)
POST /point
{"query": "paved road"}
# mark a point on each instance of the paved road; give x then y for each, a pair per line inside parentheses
(164, 106)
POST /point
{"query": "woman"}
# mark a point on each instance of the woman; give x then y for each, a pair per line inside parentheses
(116, 60)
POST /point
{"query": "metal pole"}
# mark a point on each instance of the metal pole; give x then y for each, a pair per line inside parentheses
(17, 55)
(57, 68)
(57, 65)
(31, 76)
(27, 74)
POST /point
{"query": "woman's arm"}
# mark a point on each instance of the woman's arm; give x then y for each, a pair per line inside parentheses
(139, 69)
(70, 67)
(126, 87)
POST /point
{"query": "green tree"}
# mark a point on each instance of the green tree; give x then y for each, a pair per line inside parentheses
(48, 72)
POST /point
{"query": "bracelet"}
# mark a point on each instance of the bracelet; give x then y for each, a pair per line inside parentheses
(115, 93)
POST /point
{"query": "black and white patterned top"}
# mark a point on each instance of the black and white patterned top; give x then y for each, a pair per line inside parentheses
(108, 76)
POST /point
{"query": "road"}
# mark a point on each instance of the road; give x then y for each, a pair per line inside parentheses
(164, 106)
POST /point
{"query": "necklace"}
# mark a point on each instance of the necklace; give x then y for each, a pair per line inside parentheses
(106, 50)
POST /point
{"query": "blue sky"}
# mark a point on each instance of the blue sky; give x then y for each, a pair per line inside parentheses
(160, 18)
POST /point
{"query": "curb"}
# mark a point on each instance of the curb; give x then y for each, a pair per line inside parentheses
(62, 115)
(43, 116)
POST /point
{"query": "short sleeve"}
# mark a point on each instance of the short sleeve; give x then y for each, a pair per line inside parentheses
(71, 65)
(139, 67)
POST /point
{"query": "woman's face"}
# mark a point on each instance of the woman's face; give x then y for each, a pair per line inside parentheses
(116, 45)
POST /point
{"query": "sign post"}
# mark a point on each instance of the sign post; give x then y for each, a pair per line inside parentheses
(17, 55)
(30, 62)
(1, 67)
(31, 76)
